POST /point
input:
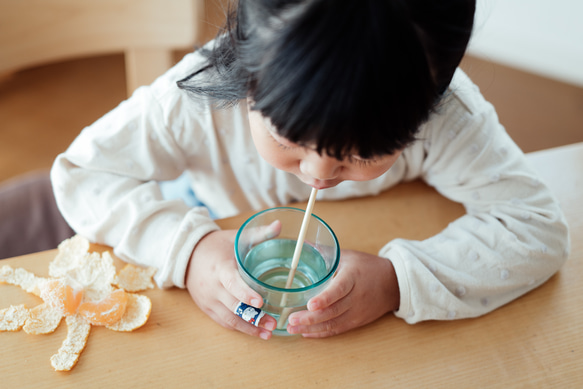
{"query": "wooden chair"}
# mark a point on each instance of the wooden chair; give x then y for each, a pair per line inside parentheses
(34, 32)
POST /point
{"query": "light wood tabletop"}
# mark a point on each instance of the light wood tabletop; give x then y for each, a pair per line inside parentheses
(535, 341)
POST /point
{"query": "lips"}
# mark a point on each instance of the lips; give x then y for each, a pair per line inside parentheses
(320, 187)
(322, 184)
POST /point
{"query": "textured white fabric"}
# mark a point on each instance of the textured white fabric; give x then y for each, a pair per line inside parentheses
(513, 238)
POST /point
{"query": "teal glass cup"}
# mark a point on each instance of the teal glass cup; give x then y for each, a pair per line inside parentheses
(264, 248)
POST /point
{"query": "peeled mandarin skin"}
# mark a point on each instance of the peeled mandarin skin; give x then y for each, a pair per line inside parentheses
(107, 311)
(61, 296)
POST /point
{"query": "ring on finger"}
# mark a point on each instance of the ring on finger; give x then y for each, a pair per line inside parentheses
(249, 313)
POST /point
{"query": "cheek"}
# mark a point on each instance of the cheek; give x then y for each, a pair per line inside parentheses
(366, 174)
(282, 160)
(271, 153)
(272, 157)
(371, 172)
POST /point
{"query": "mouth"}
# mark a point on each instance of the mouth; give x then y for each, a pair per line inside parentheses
(321, 184)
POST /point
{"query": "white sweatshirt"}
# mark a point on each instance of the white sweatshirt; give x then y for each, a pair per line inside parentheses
(512, 239)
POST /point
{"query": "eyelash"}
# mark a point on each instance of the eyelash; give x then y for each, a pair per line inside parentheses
(359, 161)
(282, 146)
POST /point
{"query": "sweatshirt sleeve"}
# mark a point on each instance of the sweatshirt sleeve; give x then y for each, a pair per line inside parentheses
(513, 237)
(106, 186)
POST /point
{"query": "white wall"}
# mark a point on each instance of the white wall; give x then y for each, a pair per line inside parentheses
(544, 37)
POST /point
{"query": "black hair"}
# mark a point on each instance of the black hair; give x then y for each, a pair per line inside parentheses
(347, 76)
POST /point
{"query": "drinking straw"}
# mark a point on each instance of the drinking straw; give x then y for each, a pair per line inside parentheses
(297, 253)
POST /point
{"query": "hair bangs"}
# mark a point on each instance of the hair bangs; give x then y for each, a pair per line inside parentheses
(325, 85)
(348, 77)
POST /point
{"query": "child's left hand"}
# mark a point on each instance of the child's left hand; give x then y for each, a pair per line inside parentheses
(364, 289)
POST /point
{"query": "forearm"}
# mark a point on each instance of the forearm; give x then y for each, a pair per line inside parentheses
(513, 238)
(473, 267)
(132, 217)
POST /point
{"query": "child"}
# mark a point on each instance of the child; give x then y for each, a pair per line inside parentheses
(350, 97)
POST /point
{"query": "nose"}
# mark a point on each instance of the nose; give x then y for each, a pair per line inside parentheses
(320, 167)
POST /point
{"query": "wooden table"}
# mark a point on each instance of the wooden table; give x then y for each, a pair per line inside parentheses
(535, 341)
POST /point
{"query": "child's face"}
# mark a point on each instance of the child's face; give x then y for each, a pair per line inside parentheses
(318, 171)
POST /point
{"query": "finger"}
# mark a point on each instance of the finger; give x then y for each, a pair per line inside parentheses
(228, 319)
(268, 322)
(231, 304)
(338, 289)
(260, 234)
(254, 316)
(330, 327)
(308, 318)
(237, 288)
(235, 291)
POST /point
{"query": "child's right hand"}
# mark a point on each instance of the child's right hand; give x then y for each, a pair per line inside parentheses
(213, 281)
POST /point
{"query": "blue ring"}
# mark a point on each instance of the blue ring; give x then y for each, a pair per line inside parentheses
(249, 313)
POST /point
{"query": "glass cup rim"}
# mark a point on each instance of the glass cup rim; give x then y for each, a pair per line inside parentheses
(290, 290)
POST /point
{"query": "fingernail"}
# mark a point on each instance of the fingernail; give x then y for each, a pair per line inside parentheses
(294, 321)
(270, 326)
(256, 302)
(265, 335)
(313, 306)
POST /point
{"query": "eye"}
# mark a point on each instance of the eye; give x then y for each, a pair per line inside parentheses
(282, 146)
(356, 160)
(282, 142)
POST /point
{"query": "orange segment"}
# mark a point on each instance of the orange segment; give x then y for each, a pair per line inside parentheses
(61, 296)
(107, 311)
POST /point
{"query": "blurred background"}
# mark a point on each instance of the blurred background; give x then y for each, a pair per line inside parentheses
(65, 63)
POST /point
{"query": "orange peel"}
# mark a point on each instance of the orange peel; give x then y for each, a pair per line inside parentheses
(135, 279)
(136, 315)
(84, 288)
(70, 351)
(62, 297)
(26, 280)
(13, 318)
(43, 319)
